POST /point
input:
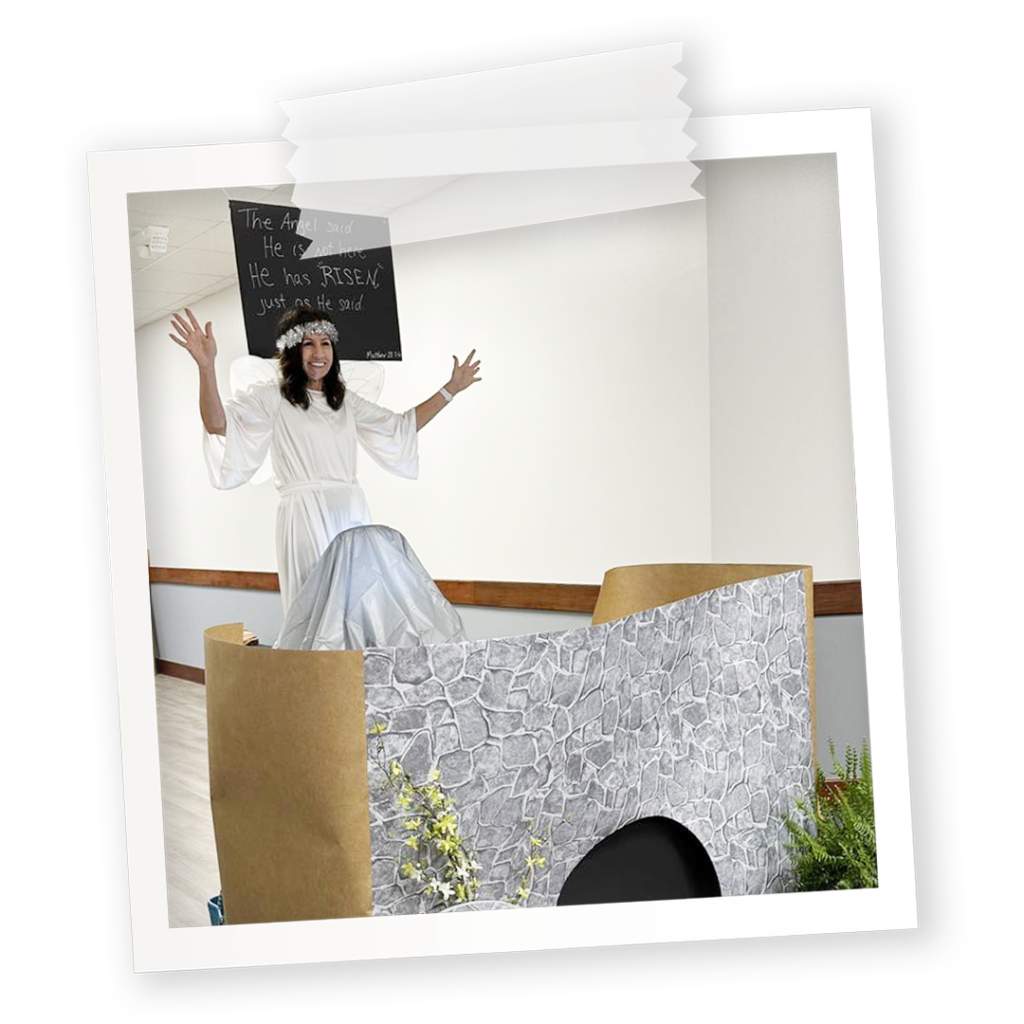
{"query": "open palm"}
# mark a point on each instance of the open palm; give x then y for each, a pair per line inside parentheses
(198, 342)
(464, 374)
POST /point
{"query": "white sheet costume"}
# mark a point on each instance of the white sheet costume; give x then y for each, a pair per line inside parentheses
(313, 453)
(369, 590)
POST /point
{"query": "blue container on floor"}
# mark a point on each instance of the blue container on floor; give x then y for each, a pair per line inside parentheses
(215, 905)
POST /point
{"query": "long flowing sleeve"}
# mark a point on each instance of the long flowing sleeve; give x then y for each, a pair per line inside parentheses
(233, 458)
(389, 438)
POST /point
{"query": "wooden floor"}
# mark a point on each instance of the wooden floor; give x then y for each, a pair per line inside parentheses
(189, 850)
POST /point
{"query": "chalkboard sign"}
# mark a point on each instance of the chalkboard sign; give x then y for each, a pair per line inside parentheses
(337, 263)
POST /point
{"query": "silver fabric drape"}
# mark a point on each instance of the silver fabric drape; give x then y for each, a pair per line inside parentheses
(369, 590)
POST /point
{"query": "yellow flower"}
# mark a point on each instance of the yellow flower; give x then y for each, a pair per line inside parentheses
(435, 775)
(403, 800)
(395, 768)
(447, 823)
(522, 892)
(536, 841)
(413, 842)
(411, 870)
(378, 727)
(460, 891)
(413, 823)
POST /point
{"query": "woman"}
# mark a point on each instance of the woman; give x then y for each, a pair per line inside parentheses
(311, 425)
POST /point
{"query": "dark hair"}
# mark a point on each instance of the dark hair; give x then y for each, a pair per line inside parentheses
(293, 377)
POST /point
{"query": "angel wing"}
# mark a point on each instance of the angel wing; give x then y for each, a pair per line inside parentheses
(366, 379)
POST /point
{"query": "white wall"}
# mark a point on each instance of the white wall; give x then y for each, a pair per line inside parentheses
(781, 433)
(667, 384)
(585, 446)
(189, 524)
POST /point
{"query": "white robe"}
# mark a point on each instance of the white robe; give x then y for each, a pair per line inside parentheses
(313, 455)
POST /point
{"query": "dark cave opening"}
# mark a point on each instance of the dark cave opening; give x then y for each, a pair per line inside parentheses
(650, 859)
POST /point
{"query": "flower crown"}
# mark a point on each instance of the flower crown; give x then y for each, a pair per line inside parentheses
(298, 334)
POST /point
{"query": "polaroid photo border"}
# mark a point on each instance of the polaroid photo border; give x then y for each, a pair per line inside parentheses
(847, 133)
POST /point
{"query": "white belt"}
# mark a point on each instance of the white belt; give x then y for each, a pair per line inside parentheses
(315, 485)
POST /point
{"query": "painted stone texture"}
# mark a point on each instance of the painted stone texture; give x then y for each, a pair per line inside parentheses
(698, 711)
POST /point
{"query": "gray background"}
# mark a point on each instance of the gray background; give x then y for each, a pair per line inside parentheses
(947, 189)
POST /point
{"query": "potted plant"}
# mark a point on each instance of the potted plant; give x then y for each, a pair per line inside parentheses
(834, 846)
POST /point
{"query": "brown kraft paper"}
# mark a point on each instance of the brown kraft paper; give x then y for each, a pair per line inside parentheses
(288, 782)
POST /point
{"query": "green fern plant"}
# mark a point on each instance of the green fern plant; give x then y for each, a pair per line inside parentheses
(834, 848)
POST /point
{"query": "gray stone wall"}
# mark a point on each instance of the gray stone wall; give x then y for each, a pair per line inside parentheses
(698, 711)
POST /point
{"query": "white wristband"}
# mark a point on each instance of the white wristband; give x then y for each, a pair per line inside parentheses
(446, 394)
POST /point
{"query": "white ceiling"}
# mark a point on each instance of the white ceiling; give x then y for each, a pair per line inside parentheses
(200, 259)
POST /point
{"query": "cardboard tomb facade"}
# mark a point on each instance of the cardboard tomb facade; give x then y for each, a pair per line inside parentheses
(690, 698)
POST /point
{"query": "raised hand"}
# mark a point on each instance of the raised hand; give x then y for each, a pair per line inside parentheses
(464, 374)
(198, 342)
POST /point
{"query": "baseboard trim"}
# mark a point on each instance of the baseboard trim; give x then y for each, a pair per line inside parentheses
(179, 671)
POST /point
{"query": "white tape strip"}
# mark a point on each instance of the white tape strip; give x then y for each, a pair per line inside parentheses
(486, 150)
(622, 85)
(500, 148)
